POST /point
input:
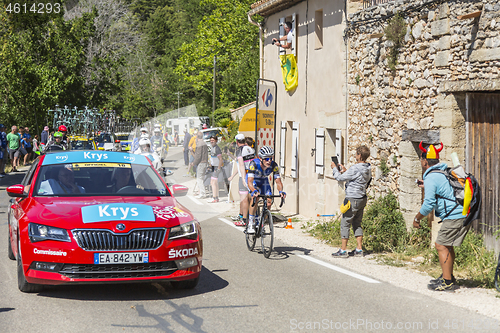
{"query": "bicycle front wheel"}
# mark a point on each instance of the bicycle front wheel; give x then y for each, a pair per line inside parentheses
(267, 233)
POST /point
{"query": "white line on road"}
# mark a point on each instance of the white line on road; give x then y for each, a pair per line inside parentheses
(196, 201)
(230, 223)
(338, 269)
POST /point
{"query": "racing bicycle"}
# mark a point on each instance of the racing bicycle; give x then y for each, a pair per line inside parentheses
(265, 227)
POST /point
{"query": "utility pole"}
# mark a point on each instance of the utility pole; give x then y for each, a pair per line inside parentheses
(213, 100)
(178, 107)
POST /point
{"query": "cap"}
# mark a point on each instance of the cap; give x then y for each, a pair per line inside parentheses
(2, 126)
(239, 137)
(432, 153)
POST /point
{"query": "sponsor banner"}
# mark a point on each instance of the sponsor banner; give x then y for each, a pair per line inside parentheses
(169, 212)
(71, 157)
(267, 98)
(117, 212)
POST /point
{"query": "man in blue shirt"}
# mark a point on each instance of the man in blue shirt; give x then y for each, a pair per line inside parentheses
(452, 232)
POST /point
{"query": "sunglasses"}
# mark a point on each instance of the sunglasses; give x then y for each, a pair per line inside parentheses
(267, 159)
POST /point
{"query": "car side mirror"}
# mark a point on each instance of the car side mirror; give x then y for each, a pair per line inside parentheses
(179, 190)
(16, 191)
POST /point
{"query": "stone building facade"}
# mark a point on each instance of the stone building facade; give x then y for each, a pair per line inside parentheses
(451, 51)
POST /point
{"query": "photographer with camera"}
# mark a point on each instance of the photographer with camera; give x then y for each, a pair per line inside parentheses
(288, 37)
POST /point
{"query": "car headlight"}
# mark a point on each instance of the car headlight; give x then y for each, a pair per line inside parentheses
(185, 230)
(40, 232)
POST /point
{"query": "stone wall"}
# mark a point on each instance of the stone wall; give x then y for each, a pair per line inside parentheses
(441, 55)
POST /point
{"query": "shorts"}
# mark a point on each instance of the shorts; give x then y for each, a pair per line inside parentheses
(1, 154)
(452, 232)
(29, 150)
(23, 151)
(263, 186)
(353, 217)
(13, 153)
(214, 173)
(242, 187)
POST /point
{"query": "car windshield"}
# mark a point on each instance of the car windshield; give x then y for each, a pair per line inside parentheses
(82, 145)
(98, 179)
(122, 137)
(208, 134)
(104, 138)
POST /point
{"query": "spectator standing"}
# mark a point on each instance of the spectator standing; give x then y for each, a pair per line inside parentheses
(176, 138)
(14, 143)
(3, 150)
(185, 149)
(244, 155)
(358, 177)
(36, 146)
(216, 164)
(192, 150)
(200, 161)
(437, 191)
(44, 138)
(28, 141)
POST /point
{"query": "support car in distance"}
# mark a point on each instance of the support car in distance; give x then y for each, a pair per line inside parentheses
(100, 217)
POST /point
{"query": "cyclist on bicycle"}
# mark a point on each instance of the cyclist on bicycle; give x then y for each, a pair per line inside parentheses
(258, 172)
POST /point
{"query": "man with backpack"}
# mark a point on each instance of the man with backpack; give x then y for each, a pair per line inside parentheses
(440, 196)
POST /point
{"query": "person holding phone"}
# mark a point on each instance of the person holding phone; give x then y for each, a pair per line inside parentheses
(357, 179)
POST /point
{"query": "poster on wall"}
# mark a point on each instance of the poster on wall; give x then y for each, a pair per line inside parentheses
(265, 126)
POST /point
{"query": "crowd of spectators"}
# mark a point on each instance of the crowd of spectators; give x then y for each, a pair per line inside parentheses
(18, 147)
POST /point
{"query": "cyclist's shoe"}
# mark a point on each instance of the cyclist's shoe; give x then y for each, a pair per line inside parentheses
(356, 253)
(236, 217)
(441, 286)
(340, 254)
(240, 223)
(440, 278)
(250, 229)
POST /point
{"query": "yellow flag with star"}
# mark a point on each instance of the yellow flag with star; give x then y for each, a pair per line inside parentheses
(289, 70)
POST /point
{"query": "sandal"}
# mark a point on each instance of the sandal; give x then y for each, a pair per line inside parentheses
(239, 223)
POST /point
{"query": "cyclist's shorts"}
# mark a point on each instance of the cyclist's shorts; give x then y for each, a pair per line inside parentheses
(263, 186)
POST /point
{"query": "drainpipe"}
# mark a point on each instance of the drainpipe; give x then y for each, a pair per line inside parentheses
(346, 39)
(261, 48)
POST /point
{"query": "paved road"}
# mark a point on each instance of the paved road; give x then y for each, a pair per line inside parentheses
(239, 291)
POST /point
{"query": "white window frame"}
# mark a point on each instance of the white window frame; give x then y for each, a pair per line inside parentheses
(319, 150)
(295, 150)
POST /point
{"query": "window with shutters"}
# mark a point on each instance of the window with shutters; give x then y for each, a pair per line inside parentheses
(292, 19)
(333, 147)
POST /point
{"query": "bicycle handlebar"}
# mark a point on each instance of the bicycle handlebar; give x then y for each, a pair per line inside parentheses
(254, 200)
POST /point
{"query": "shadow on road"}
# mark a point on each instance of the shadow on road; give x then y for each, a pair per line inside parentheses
(134, 291)
(12, 178)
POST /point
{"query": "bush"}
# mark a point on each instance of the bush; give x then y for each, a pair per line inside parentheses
(384, 227)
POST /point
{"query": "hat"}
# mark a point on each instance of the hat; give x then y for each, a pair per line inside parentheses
(432, 153)
(239, 137)
(2, 126)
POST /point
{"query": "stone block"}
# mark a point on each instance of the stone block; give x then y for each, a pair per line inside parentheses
(443, 117)
(440, 27)
(442, 59)
(444, 43)
(453, 137)
(411, 167)
(407, 149)
(409, 216)
(408, 185)
(410, 202)
(482, 55)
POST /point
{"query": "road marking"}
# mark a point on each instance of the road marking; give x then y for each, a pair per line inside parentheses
(338, 269)
(230, 223)
(196, 201)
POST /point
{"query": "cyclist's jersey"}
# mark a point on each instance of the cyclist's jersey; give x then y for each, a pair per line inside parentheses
(260, 176)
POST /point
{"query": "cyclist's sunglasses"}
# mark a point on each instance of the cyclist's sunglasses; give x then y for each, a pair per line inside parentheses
(267, 159)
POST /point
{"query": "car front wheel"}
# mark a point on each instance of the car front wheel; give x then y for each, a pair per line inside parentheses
(22, 284)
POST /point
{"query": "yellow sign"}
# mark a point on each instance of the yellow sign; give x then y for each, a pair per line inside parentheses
(289, 71)
(247, 123)
(92, 165)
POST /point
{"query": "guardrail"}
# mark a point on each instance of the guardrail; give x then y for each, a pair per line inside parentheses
(369, 3)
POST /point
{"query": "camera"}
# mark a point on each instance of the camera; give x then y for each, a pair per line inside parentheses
(274, 41)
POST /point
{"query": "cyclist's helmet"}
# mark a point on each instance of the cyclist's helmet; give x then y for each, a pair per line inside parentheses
(266, 151)
(63, 128)
(144, 129)
(144, 141)
(144, 136)
(157, 130)
(58, 135)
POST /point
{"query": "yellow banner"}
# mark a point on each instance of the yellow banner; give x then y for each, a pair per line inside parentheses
(290, 72)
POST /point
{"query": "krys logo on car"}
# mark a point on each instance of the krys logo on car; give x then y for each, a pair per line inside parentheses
(62, 158)
(129, 158)
(95, 156)
(118, 211)
(173, 253)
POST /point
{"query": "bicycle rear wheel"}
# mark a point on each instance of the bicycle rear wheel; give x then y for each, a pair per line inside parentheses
(267, 233)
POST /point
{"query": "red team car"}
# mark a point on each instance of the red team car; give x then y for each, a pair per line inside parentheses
(100, 217)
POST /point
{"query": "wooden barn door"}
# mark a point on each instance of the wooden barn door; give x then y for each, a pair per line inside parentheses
(483, 159)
